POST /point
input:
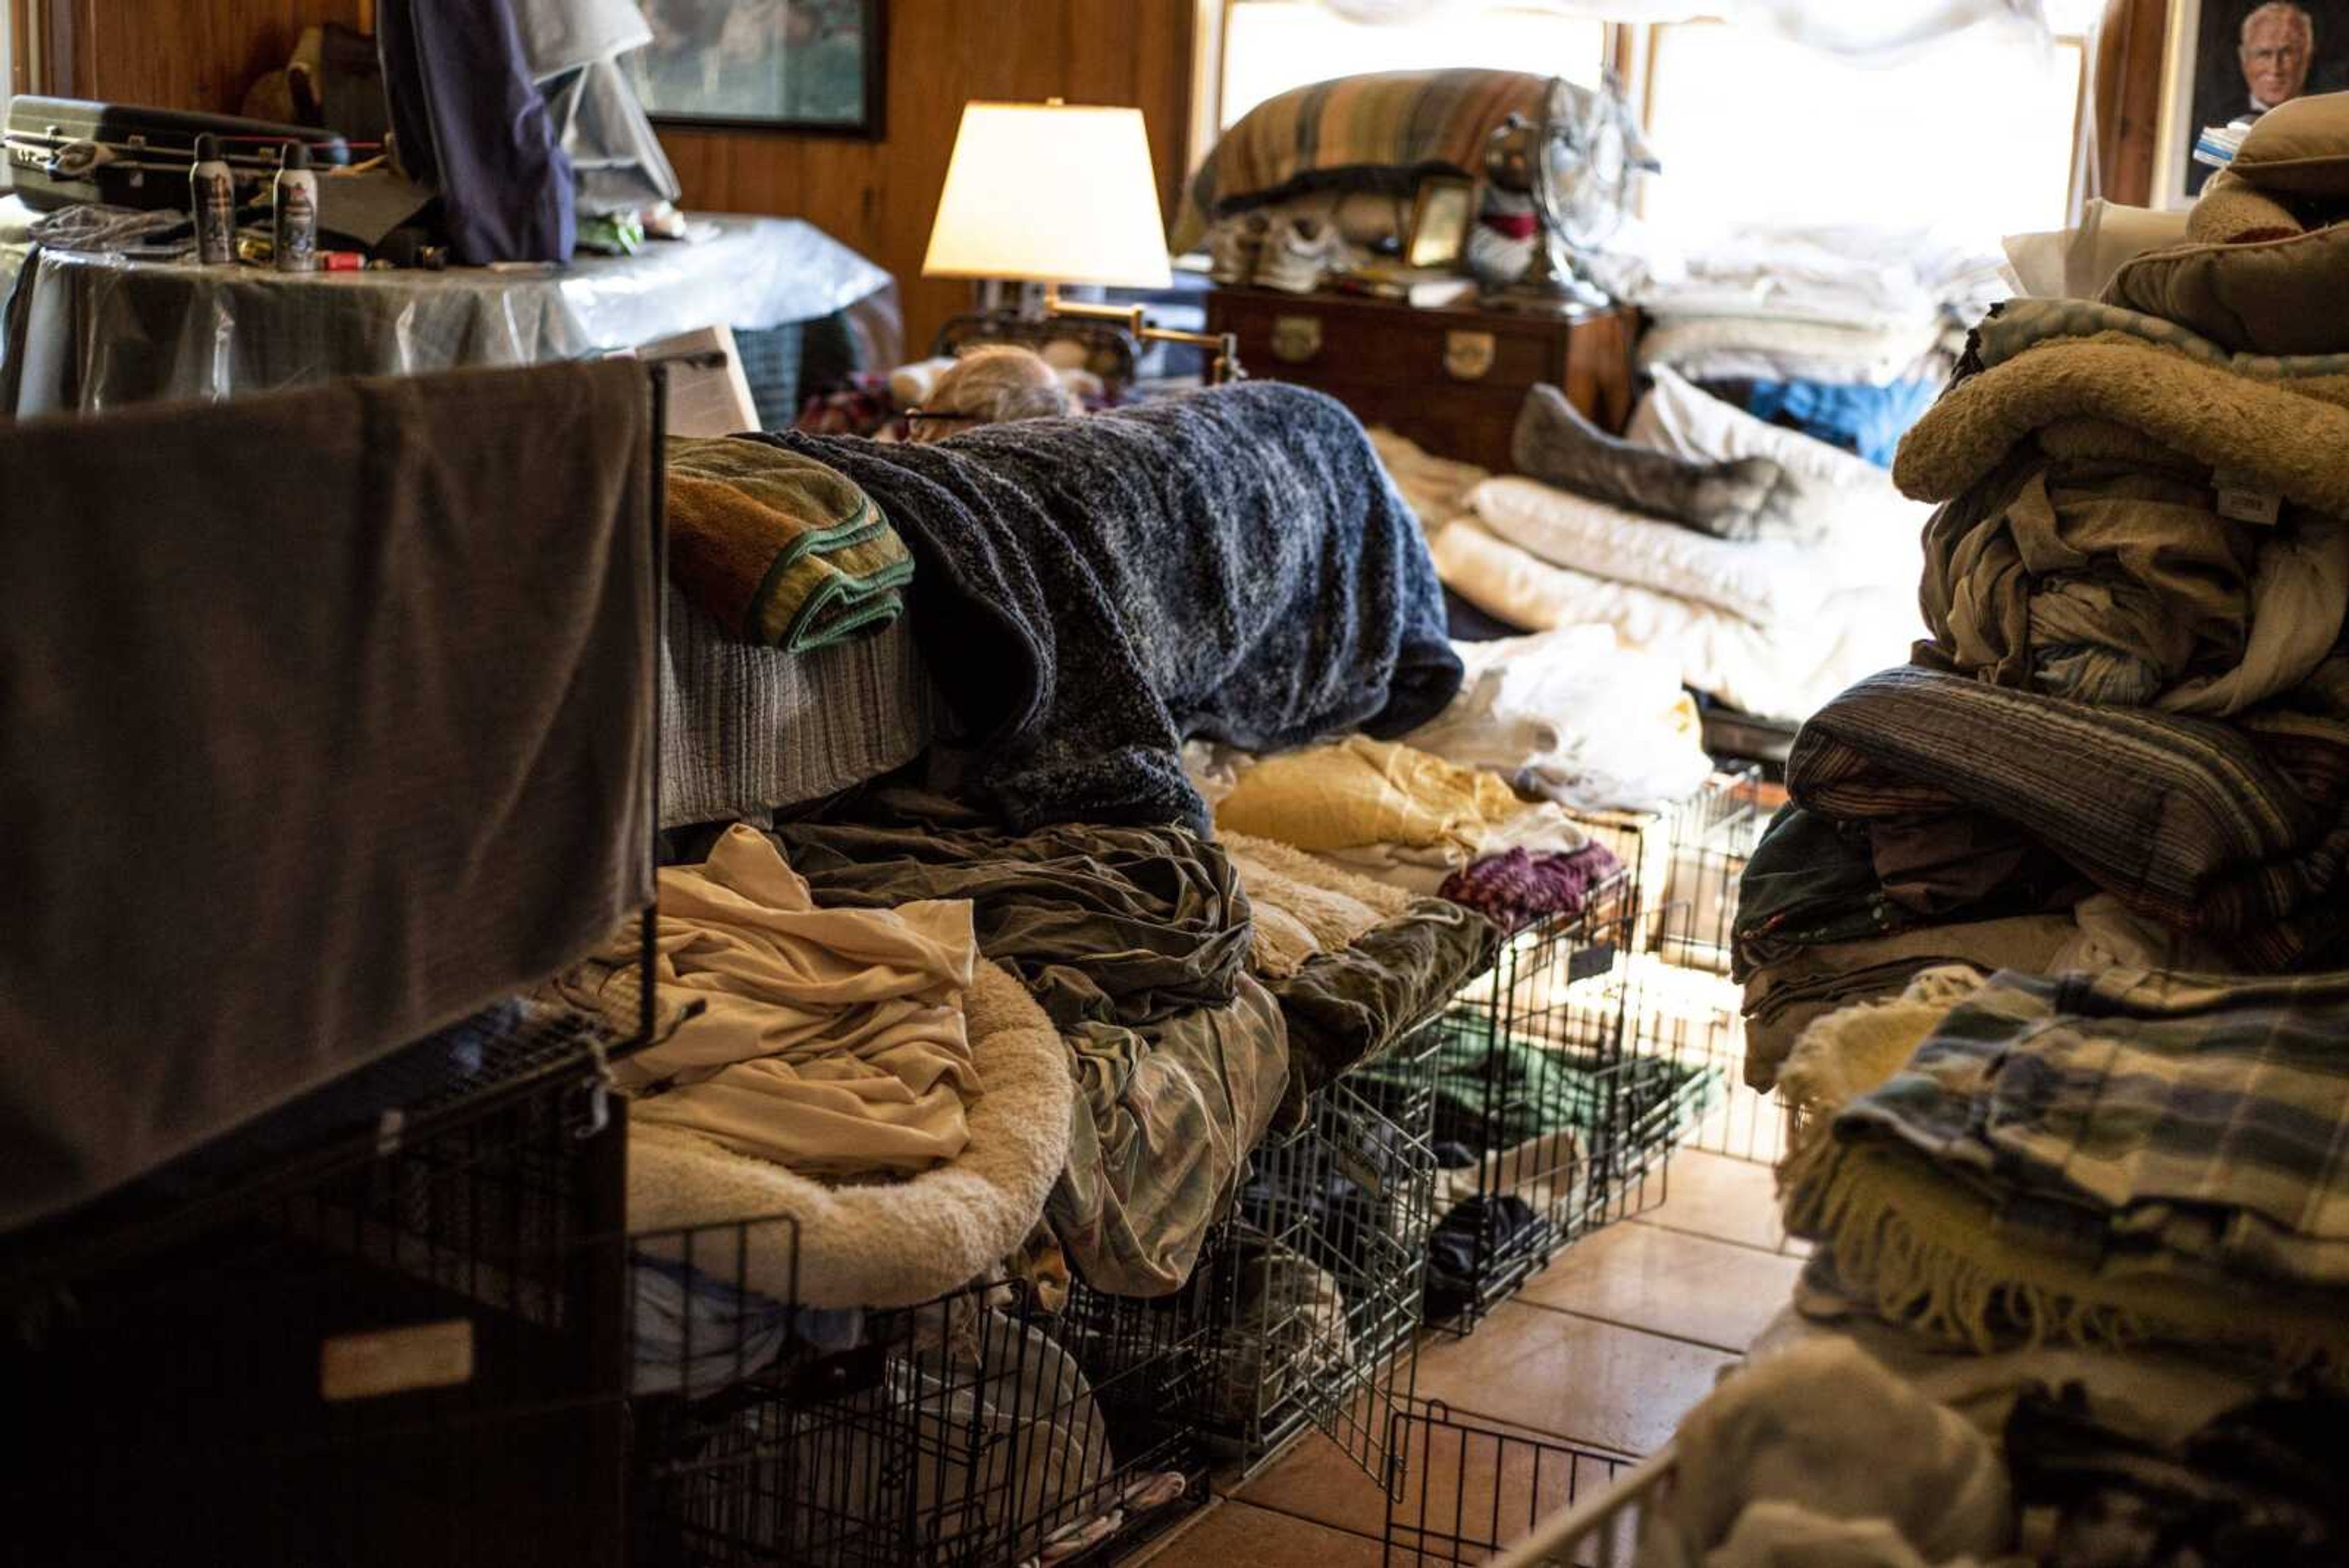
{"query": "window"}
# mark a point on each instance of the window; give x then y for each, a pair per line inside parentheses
(1272, 45)
(1973, 134)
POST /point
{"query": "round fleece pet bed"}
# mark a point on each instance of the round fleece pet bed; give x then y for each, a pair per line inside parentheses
(888, 1244)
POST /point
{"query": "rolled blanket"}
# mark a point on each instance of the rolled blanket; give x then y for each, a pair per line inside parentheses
(783, 551)
(1095, 591)
(1380, 130)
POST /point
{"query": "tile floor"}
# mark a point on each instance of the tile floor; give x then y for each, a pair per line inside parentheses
(1604, 1348)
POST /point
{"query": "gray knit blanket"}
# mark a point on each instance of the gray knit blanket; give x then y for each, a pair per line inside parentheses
(1092, 592)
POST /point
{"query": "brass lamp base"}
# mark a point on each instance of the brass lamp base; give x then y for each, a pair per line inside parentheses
(1222, 365)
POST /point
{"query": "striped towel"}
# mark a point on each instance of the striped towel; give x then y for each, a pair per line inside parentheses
(2197, 825)
(784, 551)
(1382, 131)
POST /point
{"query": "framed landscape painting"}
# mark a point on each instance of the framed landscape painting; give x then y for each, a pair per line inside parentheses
(802, 65)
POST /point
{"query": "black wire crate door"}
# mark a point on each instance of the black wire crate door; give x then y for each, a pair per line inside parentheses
(419, 1360)
(1474, 1489)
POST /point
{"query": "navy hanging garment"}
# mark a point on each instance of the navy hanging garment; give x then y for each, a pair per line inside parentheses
(471, 124)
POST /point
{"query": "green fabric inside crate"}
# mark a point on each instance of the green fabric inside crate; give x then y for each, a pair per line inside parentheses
(1495, 1091)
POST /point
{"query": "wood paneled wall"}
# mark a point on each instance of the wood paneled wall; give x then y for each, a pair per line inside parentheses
(2128, 97)
(192, 53)
(879, 197)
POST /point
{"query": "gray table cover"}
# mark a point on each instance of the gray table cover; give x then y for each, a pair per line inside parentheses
(102, 332)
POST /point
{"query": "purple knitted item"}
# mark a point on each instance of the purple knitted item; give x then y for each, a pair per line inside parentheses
(1517, 888)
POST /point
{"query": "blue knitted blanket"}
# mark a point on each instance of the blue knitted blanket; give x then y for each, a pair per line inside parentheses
(1092, 592)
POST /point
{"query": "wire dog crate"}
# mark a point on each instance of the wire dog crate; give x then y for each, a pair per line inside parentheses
(1312, 1289)
(1478, 1491)
(1544, 1118)
(1686, 862)
(982, 1428)
(400, 1347)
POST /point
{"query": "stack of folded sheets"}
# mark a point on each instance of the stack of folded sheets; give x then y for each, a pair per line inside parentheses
(1766, 568)
(2127, 739)
(1845, 333)
(2109, 1158)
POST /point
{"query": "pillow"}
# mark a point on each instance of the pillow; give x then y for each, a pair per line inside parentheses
(2257, 296)
(2302, 146)
(1740, 498)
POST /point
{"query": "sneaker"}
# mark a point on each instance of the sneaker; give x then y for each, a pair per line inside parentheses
(1300, 254)
(1233, 245)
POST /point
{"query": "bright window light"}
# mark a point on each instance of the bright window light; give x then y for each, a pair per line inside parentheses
(1272, 45)
(1753, 129)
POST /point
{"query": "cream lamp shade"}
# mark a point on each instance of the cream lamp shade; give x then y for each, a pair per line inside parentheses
(1049, 193)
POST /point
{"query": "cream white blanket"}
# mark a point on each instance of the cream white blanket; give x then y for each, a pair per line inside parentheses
(829, 1041)
(896, 1243)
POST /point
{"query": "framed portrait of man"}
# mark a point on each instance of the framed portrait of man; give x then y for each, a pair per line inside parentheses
(2234, 59)
(802, 65)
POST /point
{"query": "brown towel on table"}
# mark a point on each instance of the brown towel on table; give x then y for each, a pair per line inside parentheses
(324, 725)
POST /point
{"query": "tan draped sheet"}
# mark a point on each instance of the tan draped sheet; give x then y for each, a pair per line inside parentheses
(830, 1041)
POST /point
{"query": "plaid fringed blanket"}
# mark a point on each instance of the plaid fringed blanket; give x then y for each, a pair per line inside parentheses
(2186, 821)
(2104, 1158)
(1391, 127)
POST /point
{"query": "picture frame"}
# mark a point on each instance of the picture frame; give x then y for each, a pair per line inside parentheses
(804, 68)
(1442, 208)
(2210, 58)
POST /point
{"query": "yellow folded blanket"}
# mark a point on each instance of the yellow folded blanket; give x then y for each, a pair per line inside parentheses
(1363, 792)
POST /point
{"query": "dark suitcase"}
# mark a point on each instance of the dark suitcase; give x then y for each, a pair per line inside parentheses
(63, 151)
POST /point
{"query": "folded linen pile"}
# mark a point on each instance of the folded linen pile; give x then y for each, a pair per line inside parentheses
(1770, 568)
(1843, 334)
(2136, 587)
(1355, 964)
(2106, 1159)
(1134, 940)
(1387, 811)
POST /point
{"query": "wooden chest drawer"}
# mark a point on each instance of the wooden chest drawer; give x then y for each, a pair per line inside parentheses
(1450, 379)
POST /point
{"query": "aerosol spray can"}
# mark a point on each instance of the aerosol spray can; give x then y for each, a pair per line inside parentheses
(295, 206)
(211, 196)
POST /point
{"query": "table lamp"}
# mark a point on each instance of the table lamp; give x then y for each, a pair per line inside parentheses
(1060, 193)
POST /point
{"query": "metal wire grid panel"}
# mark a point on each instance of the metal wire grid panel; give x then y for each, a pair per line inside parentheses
(1312, 1289)
(1549, 1112)
(1686, 862)
(982, 1428)
(1475, 1490)
(416, 1357)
